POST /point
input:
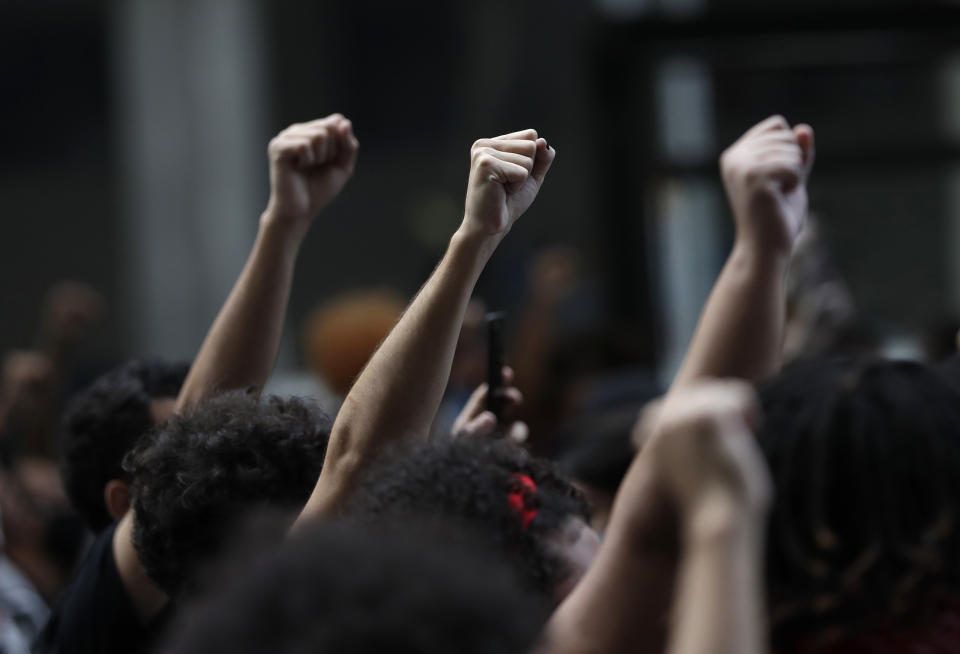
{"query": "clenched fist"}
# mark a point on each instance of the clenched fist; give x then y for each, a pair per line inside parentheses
(765, 175)
(27, 381)
(704, 449)
(309, 164)
(506, 173)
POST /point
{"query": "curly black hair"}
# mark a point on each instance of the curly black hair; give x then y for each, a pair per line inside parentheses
(355, 589)
(103, 422)
(195, 475)
(865, 457)
(469, 483)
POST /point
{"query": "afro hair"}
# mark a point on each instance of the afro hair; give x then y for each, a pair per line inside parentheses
(196, 475)
(470, 483)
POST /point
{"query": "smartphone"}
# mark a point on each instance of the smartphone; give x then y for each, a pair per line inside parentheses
(495, 399)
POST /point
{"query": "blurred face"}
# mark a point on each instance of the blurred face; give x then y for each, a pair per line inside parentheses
(577, 543)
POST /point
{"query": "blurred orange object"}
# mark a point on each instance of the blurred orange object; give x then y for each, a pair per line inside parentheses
(341, 335)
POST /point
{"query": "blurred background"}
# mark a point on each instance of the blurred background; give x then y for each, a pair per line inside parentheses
(133, 137)
(133, 172)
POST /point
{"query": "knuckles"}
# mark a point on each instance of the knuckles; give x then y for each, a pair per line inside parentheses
(780, 122)
(479, 152)
(484, 161)
(743, 167)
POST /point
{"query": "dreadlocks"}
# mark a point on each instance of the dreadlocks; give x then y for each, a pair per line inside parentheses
(866, 462)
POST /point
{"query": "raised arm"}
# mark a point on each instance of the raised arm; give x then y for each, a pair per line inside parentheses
(693, 503)
(397, 395)
(309, 165)
(740, 334)
(717, 482)
(621, 603)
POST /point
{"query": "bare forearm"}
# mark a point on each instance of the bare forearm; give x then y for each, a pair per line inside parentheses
(740, 334)
(622, 604)
(765, 175)
(241, 347)
(403, 385)
(398, 394)
(719, 607)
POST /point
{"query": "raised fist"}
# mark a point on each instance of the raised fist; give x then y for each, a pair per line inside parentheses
(27, 381)
(70, 310)
(506, 173)
(309, 164)
(765, 175)
(704, 448)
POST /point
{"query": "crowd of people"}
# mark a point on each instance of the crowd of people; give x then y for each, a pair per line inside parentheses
(751, 507)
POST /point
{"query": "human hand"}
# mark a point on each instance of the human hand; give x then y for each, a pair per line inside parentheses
(765, 176)
(70, 310)
(506, 174)
(703, 453)
(27, 382)
(309, 165)
(475, 421)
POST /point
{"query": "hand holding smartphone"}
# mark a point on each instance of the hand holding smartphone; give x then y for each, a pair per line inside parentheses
(495, 348)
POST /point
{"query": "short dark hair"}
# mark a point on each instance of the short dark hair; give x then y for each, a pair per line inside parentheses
(355, 589)
(596, 448)
(469, 483)
(195, 475)
(103, 422)
(865, 457)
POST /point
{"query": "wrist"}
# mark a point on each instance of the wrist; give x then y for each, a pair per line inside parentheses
(470, 242)
(283, 228)
(722, 515)
(757, 258)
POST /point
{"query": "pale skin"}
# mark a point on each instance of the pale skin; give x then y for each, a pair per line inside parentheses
(397, 396)
(309, 165)
(704, 490)
(740, 334)
(620, 606)
(707, 465)
(506, 174)
(474, 421)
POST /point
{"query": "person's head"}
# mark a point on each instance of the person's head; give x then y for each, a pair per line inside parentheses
(596, 453)
(341, 335)
(865, 529)
(103, 423)
(194, 476)
(515, 504)
(353, 590)
(594, 446)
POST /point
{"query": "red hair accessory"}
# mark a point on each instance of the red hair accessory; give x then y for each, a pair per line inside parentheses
(521, 499)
